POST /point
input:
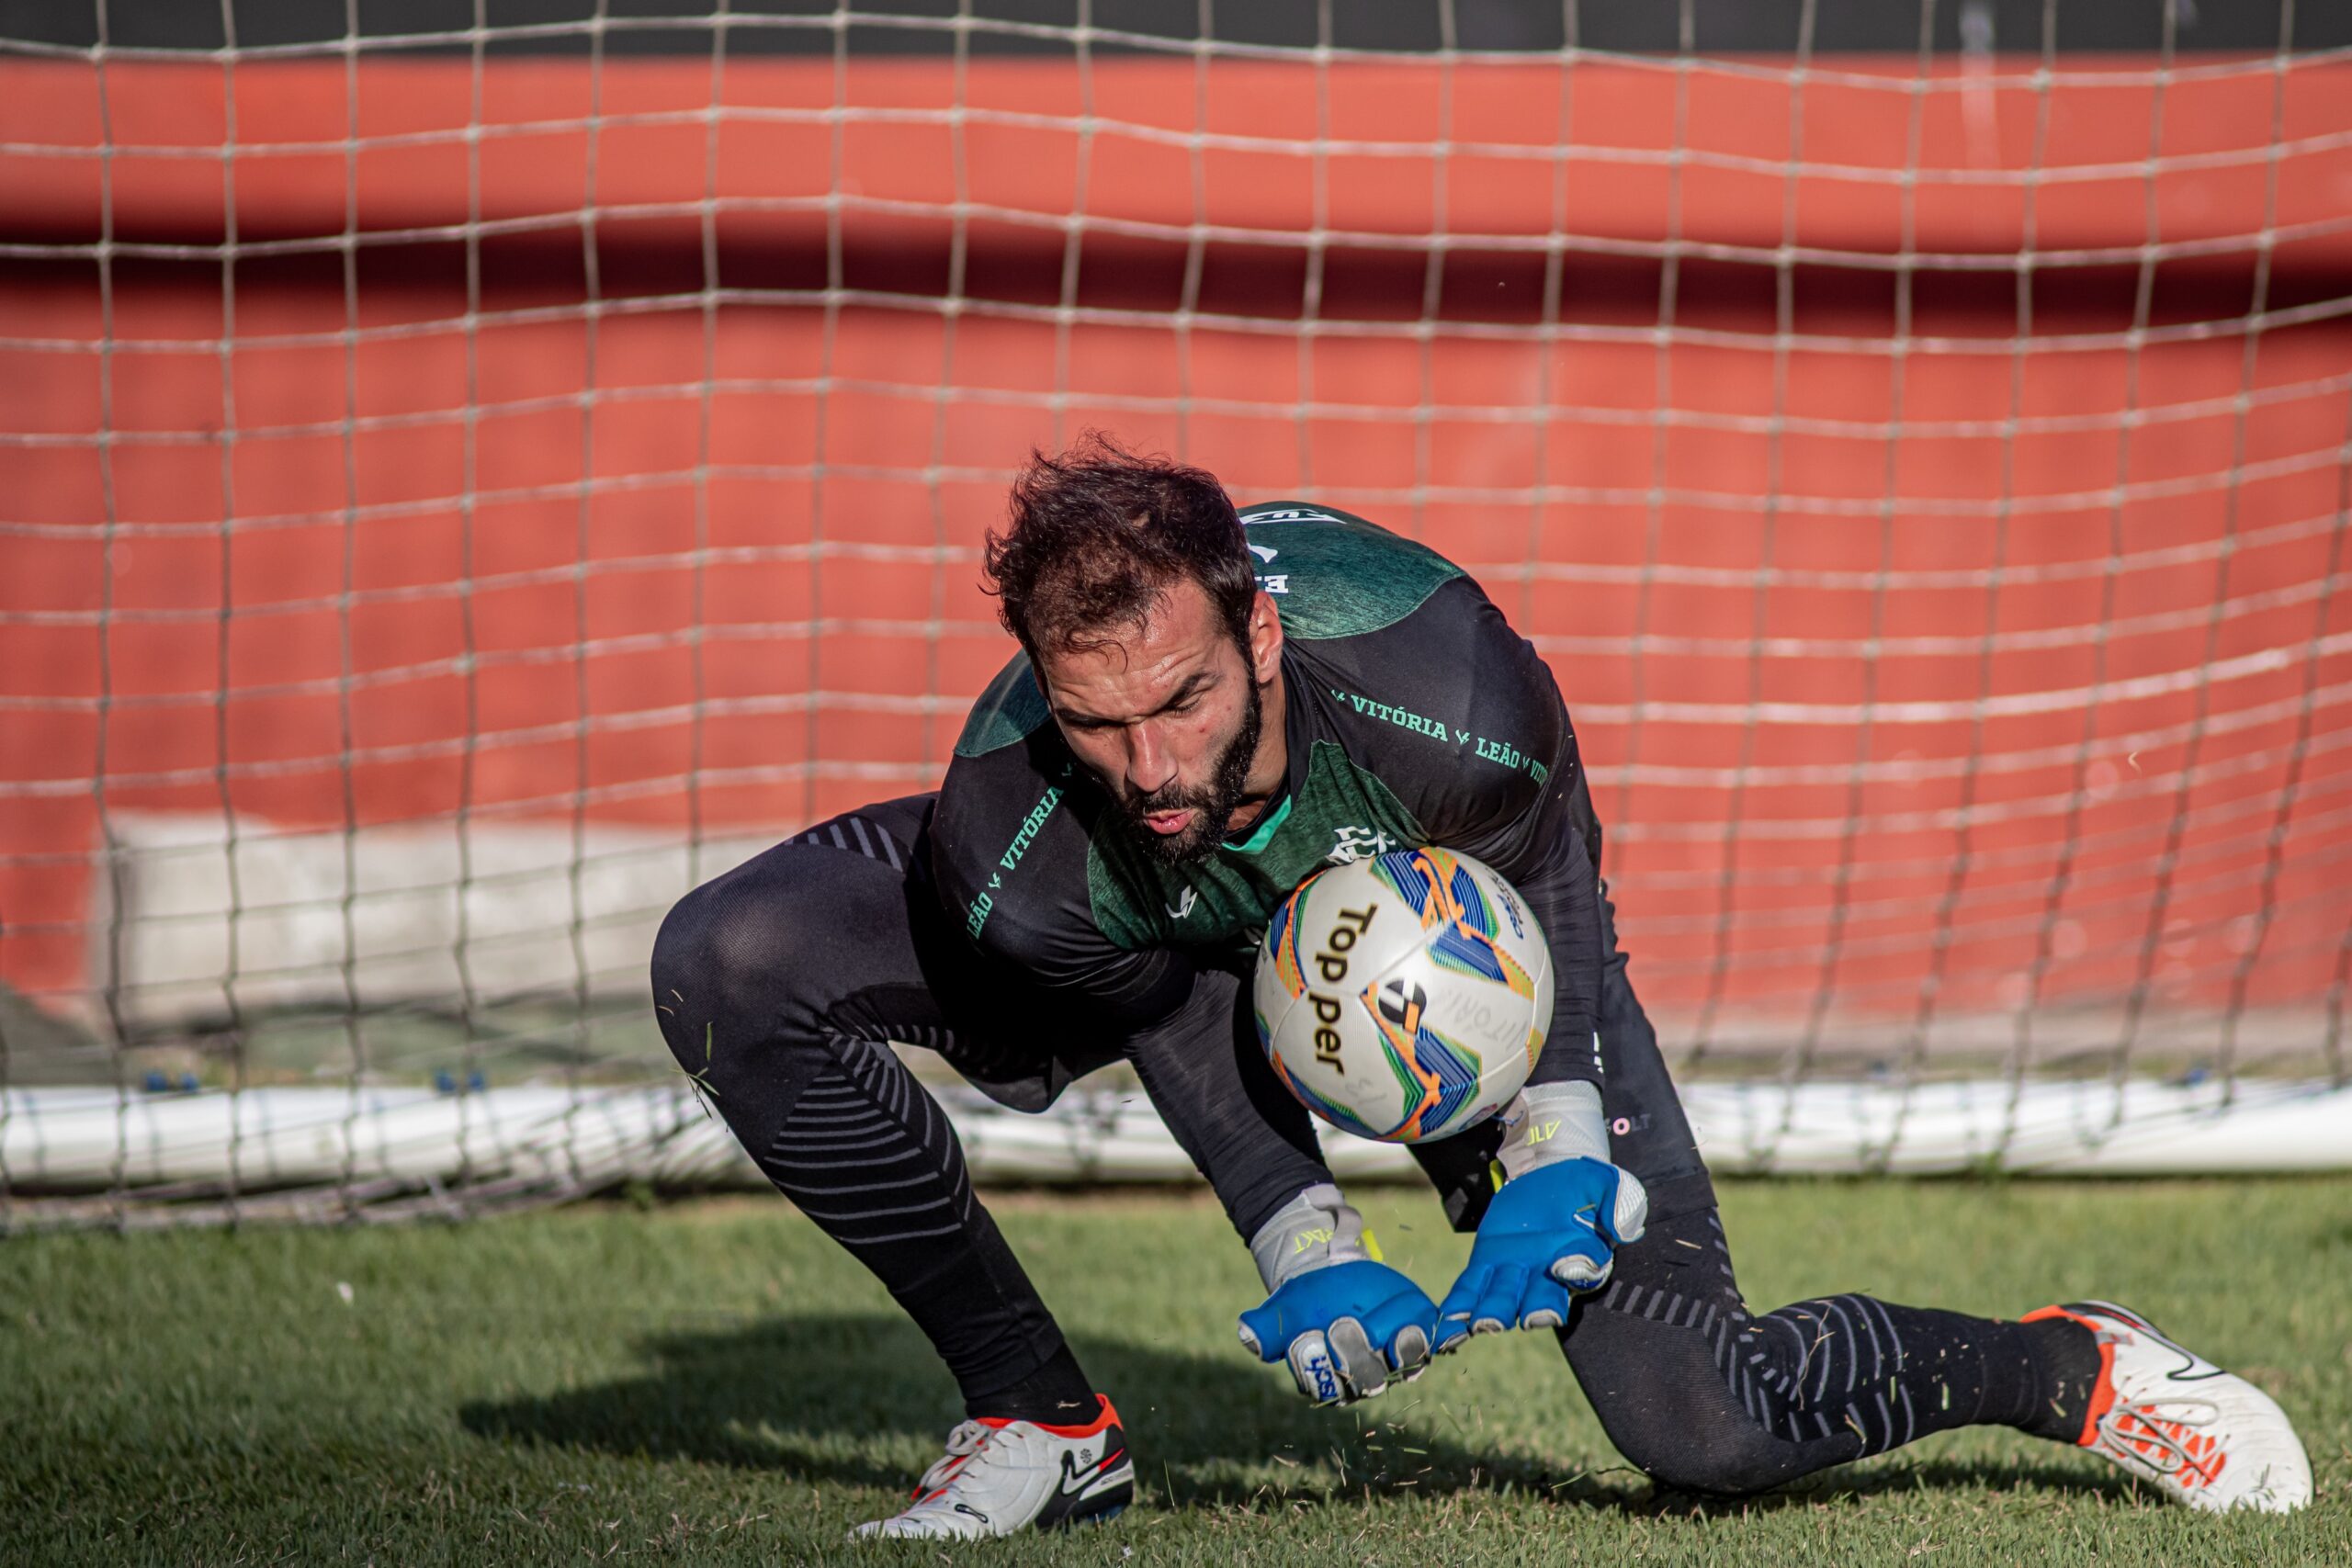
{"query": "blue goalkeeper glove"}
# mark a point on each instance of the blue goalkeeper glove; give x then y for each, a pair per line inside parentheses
(1550, 1231)
(1345, 1321)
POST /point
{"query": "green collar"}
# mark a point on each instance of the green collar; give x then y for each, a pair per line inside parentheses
(1264, 830)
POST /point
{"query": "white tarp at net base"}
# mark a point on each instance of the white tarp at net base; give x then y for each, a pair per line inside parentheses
(202, 916)
(90, 1140)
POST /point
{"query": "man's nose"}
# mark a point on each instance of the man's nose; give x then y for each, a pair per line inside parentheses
(1150, 767)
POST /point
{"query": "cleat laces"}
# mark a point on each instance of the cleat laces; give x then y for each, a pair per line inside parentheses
(2172, 1446)
(964, 1445)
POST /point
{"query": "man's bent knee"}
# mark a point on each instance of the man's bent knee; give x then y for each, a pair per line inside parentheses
(1669, 1410)
(1724, 1458)
(682, 961)
(725, 961)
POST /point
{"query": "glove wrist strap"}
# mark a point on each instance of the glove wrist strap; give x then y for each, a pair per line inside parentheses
(1314, 1230)
(1551, 1123)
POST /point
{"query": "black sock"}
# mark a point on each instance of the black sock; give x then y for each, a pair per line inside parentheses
(2066, 1355)
(1057, 1395)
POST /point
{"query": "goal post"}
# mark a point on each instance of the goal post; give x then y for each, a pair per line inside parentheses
(471, 477)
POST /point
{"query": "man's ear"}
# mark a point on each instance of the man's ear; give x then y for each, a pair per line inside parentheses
(1265, 638)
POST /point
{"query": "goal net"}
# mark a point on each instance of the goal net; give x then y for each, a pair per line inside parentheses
(474, 470)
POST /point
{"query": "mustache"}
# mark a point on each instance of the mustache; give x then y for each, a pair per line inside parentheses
(1169, 798)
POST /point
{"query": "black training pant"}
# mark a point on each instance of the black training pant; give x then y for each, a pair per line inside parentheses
(780, 984)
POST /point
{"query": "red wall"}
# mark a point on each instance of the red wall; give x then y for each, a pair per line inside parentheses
(346, 551)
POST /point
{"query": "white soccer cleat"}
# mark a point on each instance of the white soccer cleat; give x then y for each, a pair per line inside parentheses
(2201, 1435)
(1001, 1476)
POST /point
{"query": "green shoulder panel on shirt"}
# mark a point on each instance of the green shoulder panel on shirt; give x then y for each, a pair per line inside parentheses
(1332, 574)
(1012, 709)
(1341, 812)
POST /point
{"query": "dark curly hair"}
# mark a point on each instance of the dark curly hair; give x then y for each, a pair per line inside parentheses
(1097, 533)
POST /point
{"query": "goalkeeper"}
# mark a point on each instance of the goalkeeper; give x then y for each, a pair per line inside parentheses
(1208, 708)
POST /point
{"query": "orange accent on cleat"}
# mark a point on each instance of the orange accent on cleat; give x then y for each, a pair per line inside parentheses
(2103, 1391)
(1104, 1415)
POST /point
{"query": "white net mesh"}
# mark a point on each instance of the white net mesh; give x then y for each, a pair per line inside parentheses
(474, 471)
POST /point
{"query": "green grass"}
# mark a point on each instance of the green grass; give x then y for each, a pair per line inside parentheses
(715, 1383)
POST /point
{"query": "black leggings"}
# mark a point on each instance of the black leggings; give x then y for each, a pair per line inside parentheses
(1705, 1395)
(779, 984)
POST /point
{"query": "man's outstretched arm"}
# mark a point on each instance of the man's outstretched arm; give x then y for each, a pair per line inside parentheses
(1562, 1205)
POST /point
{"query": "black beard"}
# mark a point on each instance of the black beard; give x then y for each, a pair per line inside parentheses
(1228, 781)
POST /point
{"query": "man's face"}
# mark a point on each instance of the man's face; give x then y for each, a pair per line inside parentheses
(1167, 715)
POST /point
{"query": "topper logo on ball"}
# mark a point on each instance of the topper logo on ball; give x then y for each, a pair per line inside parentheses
(1331, 963)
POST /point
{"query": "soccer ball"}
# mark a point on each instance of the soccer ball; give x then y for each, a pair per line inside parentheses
(1403, 997)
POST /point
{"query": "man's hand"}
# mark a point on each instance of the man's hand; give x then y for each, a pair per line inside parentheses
(1345, 1321)
(1550, 1230)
